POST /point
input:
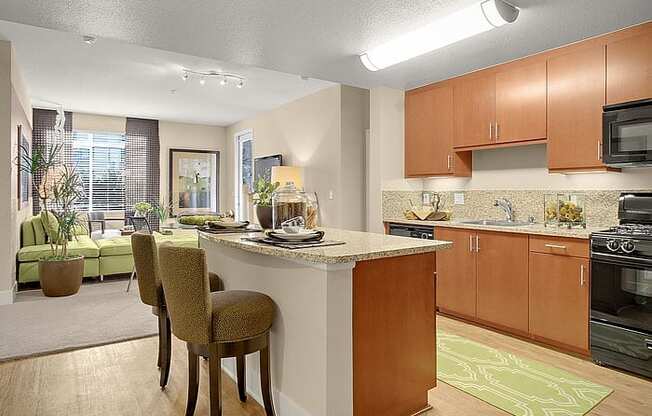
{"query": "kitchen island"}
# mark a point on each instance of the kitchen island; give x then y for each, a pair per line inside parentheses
(355, 326)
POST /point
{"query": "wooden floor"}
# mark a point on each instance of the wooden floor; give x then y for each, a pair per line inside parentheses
(121, 379)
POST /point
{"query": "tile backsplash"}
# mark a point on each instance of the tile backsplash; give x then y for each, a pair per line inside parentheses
(601, 206)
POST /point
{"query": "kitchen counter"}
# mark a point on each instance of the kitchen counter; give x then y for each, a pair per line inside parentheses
(533, 229)
(354, 332)
(358, 246)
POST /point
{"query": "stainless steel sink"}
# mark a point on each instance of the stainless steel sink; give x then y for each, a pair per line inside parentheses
(497, 223)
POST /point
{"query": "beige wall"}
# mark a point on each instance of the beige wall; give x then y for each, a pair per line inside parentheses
(15, 110)
(171, 136)
(191, 136)
(309, 133)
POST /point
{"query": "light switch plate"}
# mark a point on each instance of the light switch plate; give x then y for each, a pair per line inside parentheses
(458, 198)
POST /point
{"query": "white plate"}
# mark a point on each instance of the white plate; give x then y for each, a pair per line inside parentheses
(301, 236)
(228, 224)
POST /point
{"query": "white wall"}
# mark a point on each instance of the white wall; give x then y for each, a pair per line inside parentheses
(308, 132)
(15, 110)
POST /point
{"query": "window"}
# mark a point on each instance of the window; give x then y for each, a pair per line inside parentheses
(99, 158)
(244, 175)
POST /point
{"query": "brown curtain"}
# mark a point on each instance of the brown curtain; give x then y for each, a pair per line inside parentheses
(44, 137)
(142, 168)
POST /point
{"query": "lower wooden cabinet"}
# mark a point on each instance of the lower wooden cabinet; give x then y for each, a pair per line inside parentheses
(456, 281)
(502, 280)
(559, 300)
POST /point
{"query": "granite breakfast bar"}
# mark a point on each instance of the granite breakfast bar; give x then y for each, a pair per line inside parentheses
(355, 326)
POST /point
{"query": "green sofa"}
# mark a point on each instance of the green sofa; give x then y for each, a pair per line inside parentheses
(101, 257)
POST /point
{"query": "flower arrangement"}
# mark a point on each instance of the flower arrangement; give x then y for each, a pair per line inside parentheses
(142, 208)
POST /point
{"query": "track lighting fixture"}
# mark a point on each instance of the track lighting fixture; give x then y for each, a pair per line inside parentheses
(224, 77)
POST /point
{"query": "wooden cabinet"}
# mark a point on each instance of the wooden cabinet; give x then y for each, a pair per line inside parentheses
(456, 281)
(629, 69)
(576, 91)
(502, 280)
(559, 300)
(429, 134)
(475, 109)
(521, 104)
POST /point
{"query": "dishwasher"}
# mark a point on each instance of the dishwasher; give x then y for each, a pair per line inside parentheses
(414, 231)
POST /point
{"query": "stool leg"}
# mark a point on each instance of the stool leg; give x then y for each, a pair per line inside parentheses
(166, 347)
(160, 342)
(193, 382)
(265, 380)
(131, 278)
(242, 381)
(215, 378)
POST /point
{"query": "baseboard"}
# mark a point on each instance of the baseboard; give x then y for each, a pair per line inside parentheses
(7, 297)
(282, 404)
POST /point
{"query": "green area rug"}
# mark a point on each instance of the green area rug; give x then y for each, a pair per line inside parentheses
(518, 386)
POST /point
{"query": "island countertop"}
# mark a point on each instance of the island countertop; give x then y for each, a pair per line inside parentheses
(358, 246)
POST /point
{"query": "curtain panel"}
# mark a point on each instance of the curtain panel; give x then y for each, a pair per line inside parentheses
(142, 166)
(44, 137)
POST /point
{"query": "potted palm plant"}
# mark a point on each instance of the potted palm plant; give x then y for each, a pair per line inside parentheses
(59, 187)
(262, 198)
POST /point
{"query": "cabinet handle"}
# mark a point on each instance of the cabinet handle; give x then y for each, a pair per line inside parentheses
(497, 134)
(470, 243)
(449, 162)
(477, 243)
(599, 149)
(582, 275)
(490, 131)
(556, 246)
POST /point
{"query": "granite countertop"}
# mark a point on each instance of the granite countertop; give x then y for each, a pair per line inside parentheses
(359, 246)
(534, 229)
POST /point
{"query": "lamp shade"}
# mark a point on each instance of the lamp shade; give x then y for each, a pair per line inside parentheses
(284, 174)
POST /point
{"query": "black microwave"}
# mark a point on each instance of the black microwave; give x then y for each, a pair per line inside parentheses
(627, 134)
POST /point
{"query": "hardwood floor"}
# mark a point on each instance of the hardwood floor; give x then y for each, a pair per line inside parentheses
(121, 379)
(632, 396)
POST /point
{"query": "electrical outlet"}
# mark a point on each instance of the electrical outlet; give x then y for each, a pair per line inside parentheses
(458, 198)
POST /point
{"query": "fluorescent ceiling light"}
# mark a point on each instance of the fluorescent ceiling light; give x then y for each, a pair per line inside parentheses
(475, 19)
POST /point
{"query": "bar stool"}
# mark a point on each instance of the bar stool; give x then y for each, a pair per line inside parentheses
(150, 289)
(216, 325)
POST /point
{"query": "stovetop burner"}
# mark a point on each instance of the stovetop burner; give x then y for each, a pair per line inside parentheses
(637, 230)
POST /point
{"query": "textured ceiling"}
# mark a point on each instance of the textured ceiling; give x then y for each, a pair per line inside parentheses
(320, 38)
(116, 78)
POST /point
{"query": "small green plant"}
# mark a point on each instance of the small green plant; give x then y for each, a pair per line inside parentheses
(142, 208)
(162, 211)
(263, 190)
(58, 190)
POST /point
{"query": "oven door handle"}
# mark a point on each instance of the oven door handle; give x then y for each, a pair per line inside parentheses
(621, 260)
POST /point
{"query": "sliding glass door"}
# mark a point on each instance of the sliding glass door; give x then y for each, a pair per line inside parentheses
(244, 173)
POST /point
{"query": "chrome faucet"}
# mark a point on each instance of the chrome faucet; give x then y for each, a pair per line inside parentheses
(506, 205)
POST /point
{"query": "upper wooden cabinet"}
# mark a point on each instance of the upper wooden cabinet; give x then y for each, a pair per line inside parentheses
(429, 134)
(629, 69)
(521, 104)
(475, 109)
(576, 95)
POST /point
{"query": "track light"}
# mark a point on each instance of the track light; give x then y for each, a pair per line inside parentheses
(89, 40)
(223, 81)
(185, 76)
(240, 84)
(475, 19)
(224, 77)
(202, 80)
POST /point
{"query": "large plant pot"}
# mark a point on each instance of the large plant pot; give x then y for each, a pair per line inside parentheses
(264, 215)
(61, 277)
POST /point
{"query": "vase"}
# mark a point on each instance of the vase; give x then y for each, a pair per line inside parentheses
(264, 215)
(61, 277)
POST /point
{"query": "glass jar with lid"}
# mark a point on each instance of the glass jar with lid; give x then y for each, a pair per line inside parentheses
(288, 203)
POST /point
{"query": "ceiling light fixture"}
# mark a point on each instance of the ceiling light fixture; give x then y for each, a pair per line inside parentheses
(478, 18)
(89, 40)
(225, 77)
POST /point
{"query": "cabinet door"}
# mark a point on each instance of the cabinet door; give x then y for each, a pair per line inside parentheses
(629, 69)
(502, 280)
(576, 89)
(521, 104)
(559, 299)
(475, 105)
(429, 131)
(456, 286)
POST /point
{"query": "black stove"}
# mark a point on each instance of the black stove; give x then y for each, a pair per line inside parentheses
(621, 288)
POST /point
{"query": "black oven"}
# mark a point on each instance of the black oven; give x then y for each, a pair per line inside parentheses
(627, 134)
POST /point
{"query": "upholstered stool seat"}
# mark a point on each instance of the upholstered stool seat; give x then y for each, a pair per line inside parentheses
(240, 314)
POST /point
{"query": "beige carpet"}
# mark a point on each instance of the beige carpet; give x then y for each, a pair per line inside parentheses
(100, 313)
